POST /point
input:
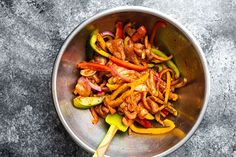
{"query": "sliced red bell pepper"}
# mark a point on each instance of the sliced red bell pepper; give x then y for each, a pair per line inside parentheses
(128, 65)
(141, 32)
(157, 25)
(165, 111)
(119, 30)
(145, 123)
(94, 66)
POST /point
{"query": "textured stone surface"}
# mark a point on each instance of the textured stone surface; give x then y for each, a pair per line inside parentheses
(31, 33)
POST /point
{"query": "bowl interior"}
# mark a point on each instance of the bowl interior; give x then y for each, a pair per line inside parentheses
(189, 105)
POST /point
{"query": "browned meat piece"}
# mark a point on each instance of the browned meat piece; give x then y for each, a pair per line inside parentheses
(129, 52)
(100, 59)
(116, 47)
(129, 30)
(153, 105)
(138, 48)
(82, 88)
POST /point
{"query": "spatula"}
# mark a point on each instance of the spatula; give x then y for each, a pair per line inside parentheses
(115, 124)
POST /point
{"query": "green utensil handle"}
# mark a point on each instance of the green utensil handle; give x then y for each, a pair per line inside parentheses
(103, 146)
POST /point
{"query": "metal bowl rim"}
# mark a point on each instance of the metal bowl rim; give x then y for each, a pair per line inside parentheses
(143, 10)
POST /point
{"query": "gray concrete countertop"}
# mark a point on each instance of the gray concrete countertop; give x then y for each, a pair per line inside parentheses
(31, 33)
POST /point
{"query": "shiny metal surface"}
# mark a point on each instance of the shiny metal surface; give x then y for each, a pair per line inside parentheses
(193, 97)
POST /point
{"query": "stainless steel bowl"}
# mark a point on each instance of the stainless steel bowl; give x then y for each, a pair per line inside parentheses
(191, 105)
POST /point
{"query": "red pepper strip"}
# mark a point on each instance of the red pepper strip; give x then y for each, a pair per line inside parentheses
(158, 24)
(145, 123)
(141, 32)
(119, 30)
(165, 111)
(94, 66)
(128, 65)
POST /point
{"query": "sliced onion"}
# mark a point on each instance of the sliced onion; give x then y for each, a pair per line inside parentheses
(118, 74)
(87, 72)
(107, 33)
(93, 86)
(141, 88)
(101, 93)
(82, 87)
(123, 71)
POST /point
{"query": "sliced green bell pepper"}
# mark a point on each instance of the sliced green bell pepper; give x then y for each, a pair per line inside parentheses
(87, 102)
(93, 41)
(169, 63)
(89, 50)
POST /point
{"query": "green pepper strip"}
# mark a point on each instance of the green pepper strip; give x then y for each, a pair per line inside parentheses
(169, 63)
(93, 41)
(87, 102)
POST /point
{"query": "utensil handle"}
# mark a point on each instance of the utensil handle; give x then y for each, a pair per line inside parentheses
(103, 146)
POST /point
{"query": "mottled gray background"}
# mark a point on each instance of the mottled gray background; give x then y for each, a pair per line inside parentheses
(31, 33)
